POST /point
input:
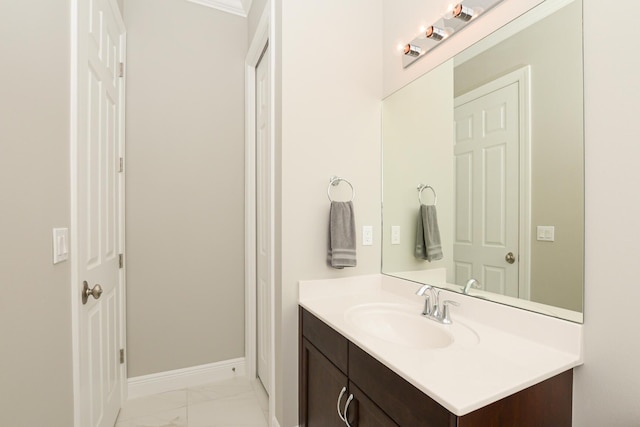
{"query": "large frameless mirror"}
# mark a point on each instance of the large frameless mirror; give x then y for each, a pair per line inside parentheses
(497, 133)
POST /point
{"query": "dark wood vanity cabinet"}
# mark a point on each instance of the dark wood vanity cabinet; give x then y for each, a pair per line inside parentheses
(381, 398)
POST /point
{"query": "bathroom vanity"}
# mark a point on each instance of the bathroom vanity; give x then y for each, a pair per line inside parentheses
(489, 378)
(367, 355)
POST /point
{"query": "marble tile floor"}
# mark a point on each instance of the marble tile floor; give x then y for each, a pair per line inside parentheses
(238, 402)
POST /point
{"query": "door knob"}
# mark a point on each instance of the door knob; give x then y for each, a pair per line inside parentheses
(510, 258)
(95, 292)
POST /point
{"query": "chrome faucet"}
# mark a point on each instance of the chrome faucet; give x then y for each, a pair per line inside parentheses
(433, 311)
(471, 283)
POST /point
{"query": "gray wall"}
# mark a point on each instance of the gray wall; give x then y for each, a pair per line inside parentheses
(35, 301)
(185, 185)
(607, 387)
(330, 125)
(254, 15)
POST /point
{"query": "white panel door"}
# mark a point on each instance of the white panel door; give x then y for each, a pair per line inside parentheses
(100, 99)
(486, 190)
(263, 215)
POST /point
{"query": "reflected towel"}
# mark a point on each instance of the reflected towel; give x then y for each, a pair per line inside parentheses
(428, 245)
(342, 235)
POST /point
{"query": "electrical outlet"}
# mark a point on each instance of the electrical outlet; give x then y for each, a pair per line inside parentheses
(395, 234)
(60, 245)
(367, 235)
(546, 233)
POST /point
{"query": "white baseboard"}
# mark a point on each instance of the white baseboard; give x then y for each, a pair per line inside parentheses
(182, 378)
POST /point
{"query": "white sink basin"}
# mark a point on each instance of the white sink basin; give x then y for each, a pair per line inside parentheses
(405, 326)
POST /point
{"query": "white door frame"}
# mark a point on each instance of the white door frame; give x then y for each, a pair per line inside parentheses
(522, 77)
(78, 40)
(258, 43)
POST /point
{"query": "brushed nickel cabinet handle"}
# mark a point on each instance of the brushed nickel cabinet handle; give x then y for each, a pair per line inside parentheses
(342, 392)
(346, 410)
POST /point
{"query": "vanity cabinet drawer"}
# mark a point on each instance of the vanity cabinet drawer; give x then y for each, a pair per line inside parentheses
(330, 343)
(403, 402)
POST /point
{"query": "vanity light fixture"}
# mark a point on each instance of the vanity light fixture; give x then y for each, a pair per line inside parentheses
(454, 20)
(412, 50)
(435, 33)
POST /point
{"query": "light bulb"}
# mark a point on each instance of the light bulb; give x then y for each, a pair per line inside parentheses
(462, 12)
(435, 33)
(412, 50)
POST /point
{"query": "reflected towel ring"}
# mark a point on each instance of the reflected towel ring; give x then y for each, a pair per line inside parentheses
(334, 181)
(421, 188)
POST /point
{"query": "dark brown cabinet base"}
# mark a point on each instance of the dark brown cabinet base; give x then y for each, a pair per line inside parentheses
(381, 398)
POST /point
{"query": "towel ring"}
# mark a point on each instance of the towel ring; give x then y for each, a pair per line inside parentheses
(334, 181)
(421, 188)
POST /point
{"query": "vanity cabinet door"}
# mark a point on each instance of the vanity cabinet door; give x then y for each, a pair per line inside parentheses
(323, 372)
(320, 385)
(364, 413)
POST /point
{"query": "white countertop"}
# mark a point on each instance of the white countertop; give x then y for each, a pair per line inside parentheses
(515, 348)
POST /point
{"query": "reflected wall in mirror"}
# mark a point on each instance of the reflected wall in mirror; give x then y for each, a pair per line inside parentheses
(497, 132)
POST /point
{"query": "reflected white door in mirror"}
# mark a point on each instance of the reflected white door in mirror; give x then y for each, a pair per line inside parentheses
(491, 191)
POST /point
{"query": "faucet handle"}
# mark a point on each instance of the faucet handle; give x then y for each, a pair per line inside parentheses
(446, 319)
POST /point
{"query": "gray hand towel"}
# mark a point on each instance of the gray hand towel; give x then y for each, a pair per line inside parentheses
(428, 245)
(342, 235)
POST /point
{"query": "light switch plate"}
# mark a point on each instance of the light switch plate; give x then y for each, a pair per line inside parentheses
(60, 245)
(546, 233)
(367, 235)
(395, 234)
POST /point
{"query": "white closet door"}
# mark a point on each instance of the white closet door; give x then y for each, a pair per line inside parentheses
(264, 195)
(101, 41)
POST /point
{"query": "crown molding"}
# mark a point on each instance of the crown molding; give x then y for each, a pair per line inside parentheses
(230, 6)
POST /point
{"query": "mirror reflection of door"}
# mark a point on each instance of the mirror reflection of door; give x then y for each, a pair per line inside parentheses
(487, 149)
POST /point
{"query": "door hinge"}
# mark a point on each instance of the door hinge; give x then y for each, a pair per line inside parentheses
(121, 70)
(120, 260)
(121, 356)
(121, 167)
